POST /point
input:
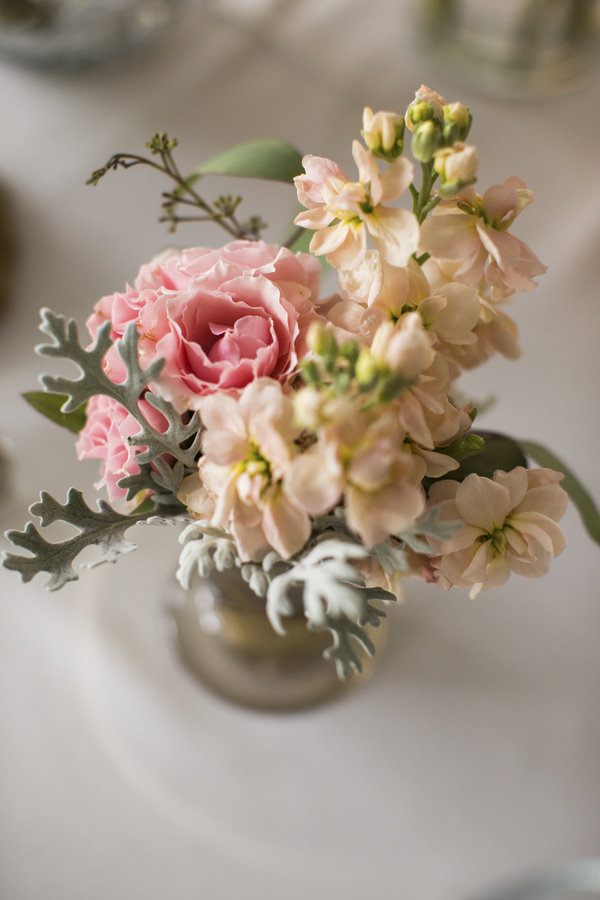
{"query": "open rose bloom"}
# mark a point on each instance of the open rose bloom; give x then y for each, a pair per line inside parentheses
(282, 423)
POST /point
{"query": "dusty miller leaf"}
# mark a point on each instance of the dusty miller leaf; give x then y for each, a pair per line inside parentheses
(93, 381)
(428, 526)
(105, 528)
(335, 597)
(204, 548)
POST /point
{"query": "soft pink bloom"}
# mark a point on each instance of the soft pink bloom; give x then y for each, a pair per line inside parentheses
(342, 212)
(220, 318)
(363, 460)
(509, 525)
(104, 436)
(247, 448)
(481, 235)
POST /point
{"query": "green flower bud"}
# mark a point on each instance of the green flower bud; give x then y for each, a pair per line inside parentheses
(419, 111)
(383, 133)
(426, 140)
(457, 119)
(367, 370)
(321, 340)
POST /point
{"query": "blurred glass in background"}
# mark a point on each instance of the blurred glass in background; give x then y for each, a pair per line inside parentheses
(513, 48)
(74, 33)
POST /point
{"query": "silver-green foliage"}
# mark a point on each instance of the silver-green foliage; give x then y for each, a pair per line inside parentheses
(106, 527)
(335, 597)
(179, 440)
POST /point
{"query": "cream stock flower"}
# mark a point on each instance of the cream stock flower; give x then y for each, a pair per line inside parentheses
(363, 460)
(342, 212)
(509, 525)
(474, 231)
(247, 447)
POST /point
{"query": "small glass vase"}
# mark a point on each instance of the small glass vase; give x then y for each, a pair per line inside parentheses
(226, 640)
(517, 49)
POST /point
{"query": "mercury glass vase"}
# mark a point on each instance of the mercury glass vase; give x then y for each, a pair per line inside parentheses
(226, 640)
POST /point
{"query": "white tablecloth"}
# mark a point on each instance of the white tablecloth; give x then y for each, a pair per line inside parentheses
(475, 752)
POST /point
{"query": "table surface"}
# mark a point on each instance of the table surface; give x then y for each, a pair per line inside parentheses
(475, 751)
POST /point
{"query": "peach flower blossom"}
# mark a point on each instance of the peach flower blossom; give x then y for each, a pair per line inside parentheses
(247, 448)
(363, 459)
(342, 212)
(474, 230)
(509, 526)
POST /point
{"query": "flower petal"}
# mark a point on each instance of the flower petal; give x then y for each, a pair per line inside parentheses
(395, 233)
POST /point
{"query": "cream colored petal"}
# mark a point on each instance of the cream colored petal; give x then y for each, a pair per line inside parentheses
(314, 482)
(344, 249)
(395, 233)
(396, 179)
(318, 217)
(549, 499)
(220, 411)
(515, 483)
(530, 567)
(194, 495)
(502, 247)
(542, 529)
(285, 525)
(375, 516)
(450, 237)
(483, 502)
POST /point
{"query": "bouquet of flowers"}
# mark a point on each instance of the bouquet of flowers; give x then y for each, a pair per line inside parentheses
(316, 444)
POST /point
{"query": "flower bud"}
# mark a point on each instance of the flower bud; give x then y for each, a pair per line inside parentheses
(426, 140)
(308, 404)
(321, 340)
(418, 111)
(456, 166)
(383, 133)
(405, 348)
(367, 370)
(427, 104)
(457, 115)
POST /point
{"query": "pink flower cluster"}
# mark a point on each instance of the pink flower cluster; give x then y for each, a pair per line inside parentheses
(308, 406)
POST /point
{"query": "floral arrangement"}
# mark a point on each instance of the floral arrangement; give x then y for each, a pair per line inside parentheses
(314, 443)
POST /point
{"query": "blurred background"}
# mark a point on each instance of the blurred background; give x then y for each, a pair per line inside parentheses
(475, 752)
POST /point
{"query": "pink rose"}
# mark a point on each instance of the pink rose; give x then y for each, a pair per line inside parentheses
(220, 318)
(104, 437)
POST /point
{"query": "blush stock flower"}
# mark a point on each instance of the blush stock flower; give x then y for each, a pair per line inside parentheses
(248, 444)
(474, 230)
(341, 212)
(509, 525)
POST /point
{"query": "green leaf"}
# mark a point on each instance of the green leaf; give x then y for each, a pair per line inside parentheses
(269, 159)
(49, 405)
(499, 452)
(577, 492)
